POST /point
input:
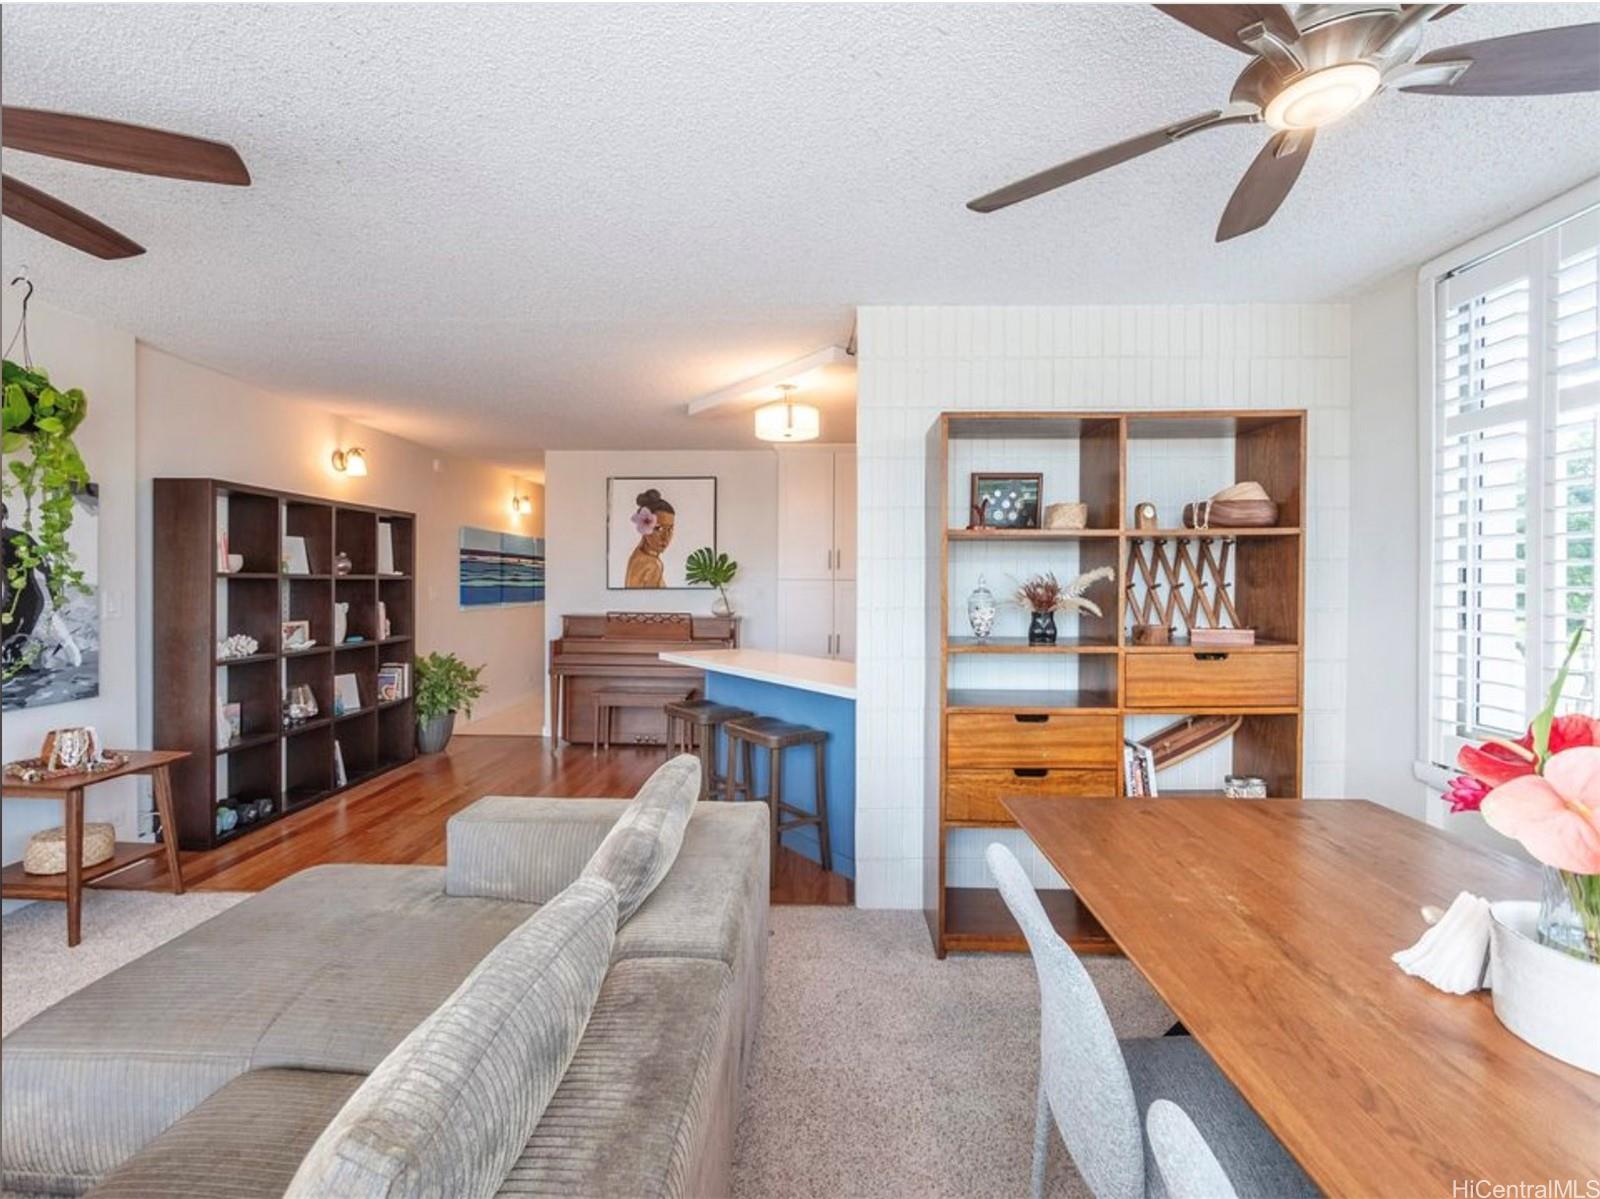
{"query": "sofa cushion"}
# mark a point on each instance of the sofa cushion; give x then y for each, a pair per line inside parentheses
(708, 898)
(648, 1106)
(448, 1111)
(521, 848)
(245, 1142)
(641, 847)
(330, 969)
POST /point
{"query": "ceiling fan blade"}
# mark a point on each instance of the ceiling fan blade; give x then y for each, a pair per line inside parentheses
(1266, 183)
(49, 216)
(1543, 62)
(1222, 22)
(121, 147)
(1099, 160)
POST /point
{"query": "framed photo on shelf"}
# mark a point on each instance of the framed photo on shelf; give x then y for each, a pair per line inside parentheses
(296, 559)
(346, 694)
(296, 635)
(1006, 501)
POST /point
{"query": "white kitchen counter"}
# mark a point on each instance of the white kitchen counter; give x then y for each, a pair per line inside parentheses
(827, 676)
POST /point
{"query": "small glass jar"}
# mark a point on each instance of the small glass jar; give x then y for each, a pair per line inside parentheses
(981, 610)
(1244, 786)
(342, 564)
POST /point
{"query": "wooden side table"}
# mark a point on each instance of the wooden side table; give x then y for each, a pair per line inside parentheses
(15, 883)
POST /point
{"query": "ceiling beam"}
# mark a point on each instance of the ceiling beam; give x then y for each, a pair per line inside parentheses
(738, 395)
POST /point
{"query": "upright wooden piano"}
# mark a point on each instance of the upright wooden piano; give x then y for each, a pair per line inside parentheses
(617, 651)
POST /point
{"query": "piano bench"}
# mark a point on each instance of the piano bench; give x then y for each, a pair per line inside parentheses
(607, 702)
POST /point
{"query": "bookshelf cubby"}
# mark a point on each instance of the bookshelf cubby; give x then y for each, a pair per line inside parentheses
(198, 602)
(1009, 718)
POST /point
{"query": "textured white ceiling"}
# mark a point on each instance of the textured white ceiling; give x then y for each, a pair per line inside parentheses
(505, 228)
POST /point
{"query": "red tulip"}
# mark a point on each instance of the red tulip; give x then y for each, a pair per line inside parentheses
(1466, 793)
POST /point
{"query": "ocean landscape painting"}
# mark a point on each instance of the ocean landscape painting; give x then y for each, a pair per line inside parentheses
(500, 568)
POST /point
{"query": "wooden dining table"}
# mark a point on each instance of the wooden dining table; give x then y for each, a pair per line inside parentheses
(1267, 925)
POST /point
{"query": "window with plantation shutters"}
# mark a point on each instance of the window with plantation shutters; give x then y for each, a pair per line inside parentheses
(1516, 412)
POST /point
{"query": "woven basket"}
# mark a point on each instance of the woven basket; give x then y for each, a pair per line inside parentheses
(47, 849)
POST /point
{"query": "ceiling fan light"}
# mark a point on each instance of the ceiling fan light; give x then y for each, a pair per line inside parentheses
(1323, 97)
(788, 421)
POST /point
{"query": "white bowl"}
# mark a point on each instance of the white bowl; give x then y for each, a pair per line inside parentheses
(1546, 997)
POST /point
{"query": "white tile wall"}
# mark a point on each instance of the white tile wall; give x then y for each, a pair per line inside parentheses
(916, 362)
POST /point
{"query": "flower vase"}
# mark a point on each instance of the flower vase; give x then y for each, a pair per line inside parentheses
(1569, 913)
(1042, 629)
(720, 606)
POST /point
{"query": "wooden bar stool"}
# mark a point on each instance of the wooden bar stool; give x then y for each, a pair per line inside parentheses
(692, 726)
(745, 736)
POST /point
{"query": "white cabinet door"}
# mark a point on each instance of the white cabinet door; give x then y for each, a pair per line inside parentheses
(844, 513)
(844, 619)
(805, 514)
(805, 617)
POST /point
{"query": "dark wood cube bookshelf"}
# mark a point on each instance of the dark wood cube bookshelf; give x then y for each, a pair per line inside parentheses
(199, 603)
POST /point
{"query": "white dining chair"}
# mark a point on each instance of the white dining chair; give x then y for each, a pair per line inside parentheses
(1095, 1086)
(1187, 1165)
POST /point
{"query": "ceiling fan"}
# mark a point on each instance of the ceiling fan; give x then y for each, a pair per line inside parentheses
(1312, 64)
(102, 144)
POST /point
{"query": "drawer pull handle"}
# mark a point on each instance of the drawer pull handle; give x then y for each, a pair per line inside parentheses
(1029, 772)
(1029, 717)
(1211, 657)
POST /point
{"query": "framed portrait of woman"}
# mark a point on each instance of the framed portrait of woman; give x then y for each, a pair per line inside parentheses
(653, 525)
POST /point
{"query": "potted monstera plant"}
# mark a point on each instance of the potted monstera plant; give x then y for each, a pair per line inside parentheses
(43, 474)
(445, 685)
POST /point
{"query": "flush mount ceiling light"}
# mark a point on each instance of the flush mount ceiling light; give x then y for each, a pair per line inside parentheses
(1310, 65)
(787, 420)
(1323, 97)
(350, 462)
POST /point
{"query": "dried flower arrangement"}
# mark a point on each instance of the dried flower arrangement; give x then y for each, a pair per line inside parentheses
(1046, 593)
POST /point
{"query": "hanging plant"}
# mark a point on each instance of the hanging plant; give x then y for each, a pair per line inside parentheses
(43, 473)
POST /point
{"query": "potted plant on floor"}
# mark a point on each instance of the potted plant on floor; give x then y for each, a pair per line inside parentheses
(707, 568)
(445, 685)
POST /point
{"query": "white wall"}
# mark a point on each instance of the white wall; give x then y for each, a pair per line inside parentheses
(100, 360)
(196, 421)
(747, 529)
(916, 362)
(1385, 536)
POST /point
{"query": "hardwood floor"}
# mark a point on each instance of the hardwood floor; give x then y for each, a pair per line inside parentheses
(400, 818)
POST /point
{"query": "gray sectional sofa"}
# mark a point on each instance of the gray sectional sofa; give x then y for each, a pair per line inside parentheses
(212, 1066)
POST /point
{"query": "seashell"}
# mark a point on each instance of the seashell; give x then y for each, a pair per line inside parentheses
(1453, 953)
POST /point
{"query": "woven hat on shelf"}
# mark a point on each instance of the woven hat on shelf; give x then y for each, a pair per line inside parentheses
(47, 849)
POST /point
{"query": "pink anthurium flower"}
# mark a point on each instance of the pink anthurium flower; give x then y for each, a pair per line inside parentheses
(1556, 816)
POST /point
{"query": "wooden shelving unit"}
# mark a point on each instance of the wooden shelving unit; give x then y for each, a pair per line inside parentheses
(1067, 741)
(197, 605)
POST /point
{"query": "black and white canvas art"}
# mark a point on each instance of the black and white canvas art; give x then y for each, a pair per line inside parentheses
(52, 655)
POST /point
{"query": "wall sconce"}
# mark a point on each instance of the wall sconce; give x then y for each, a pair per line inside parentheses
(522, 505)
(350, 462)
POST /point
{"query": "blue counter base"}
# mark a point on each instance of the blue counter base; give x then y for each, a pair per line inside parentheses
(838, 718)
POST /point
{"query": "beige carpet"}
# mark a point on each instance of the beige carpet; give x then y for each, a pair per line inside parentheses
(37, 968)
(878, 1071)
(882, 1072)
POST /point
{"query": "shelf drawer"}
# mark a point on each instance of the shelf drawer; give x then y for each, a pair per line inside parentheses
(1180, 682)
(1011, 739)
(975, 794)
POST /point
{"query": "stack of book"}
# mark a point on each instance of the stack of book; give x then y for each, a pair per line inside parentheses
(394, 681)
